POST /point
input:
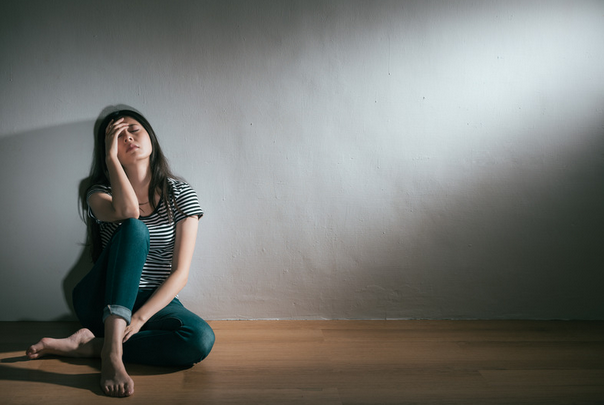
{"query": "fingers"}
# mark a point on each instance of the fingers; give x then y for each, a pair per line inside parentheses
(114, 128)
(128, 333)
(112, 133)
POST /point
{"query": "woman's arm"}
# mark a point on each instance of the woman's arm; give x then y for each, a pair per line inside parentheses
(122, 203)
(186, 234)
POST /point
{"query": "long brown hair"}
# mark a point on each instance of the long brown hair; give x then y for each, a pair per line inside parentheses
(160, 172)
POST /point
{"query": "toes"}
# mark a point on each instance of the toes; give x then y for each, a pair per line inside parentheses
(121, 390)
(111, 391)
(33, 352)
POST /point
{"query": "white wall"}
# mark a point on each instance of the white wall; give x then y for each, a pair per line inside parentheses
(355, 159)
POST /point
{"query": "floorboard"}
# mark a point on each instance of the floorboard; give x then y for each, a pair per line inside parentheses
(335, 362)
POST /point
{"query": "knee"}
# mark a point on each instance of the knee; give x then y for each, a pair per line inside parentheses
(135, 226)
(135, 229)
(201, 340)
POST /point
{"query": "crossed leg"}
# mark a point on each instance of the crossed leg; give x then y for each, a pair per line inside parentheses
(115, 381)
(103, 302)
(80, 344)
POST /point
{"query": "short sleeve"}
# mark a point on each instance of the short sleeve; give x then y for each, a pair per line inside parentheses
(91, 191)
(187, 202)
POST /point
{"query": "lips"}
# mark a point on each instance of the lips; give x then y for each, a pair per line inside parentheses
(131, 147)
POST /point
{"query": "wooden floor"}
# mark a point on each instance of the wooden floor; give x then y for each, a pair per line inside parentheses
(336, 362)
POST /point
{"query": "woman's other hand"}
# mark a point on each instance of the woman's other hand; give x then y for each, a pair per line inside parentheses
(135, 326)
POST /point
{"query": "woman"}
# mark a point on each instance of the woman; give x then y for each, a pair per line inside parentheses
(146, 225)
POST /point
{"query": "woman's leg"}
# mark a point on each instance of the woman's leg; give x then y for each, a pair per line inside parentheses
(174, 336)
(111, 287)
(118, 280)
(115, 381)
(103, 302)
(80, 344)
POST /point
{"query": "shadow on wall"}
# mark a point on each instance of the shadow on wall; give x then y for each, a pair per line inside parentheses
(519, 237)
(84, 263)
(41, 173)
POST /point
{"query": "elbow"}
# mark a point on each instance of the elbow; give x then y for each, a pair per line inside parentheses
(183, 280)
(134, 213)
(127, 213)
(180, 278)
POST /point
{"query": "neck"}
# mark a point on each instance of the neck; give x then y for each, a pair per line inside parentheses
(140, 178)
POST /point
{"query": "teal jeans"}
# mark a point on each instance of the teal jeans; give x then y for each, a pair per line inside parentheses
(174, 336)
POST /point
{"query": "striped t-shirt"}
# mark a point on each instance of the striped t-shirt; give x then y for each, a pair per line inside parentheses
(162, 231)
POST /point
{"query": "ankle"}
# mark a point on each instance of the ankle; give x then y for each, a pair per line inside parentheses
(111, 351)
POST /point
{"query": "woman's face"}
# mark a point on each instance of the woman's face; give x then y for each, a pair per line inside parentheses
(134, 143)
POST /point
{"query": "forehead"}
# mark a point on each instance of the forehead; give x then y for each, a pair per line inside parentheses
(130, 120)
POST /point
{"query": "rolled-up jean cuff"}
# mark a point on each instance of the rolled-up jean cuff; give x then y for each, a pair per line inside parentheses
(118, 310)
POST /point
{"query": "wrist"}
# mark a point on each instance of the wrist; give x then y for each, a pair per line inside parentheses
(136, 317)
(111, 157)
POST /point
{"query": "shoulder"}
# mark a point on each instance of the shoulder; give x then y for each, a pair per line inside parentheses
(185, 199)
(179, 187)
(98, 188)
(96, 195)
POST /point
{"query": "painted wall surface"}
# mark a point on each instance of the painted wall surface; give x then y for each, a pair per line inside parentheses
(355, 159)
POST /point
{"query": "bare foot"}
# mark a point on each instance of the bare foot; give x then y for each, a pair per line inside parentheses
(77, 345)
(115, 381)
